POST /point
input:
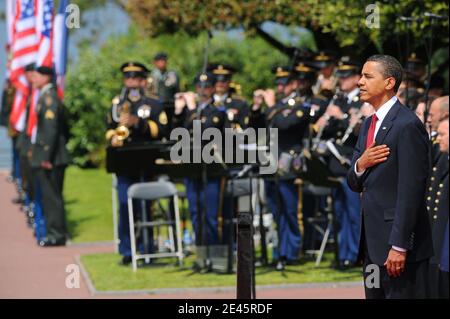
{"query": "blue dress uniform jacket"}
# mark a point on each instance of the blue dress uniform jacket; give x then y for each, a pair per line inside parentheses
(291, 119)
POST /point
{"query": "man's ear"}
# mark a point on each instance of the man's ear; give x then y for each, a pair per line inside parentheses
(390, 83)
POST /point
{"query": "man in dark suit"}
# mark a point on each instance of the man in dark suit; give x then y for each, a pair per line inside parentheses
(390, 166)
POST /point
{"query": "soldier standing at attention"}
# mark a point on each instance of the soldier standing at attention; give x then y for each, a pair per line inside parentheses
(50, 156)
(163, 83)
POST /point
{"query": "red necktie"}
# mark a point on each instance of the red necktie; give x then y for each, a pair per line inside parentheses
(371, 132)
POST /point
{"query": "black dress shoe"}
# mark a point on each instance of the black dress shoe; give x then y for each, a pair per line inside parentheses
(126, 260)
(51, 242)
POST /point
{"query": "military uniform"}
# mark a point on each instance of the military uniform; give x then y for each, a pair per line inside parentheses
(437, 207)
(164, 84)
(50, 146)
(152, 125)
(347, 204)
(291, 117)
(324, 60)
(211, 116)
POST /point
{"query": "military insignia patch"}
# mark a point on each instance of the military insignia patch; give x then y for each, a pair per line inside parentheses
(163, 118)
(134, 95)
(49, 115)
(299, 113)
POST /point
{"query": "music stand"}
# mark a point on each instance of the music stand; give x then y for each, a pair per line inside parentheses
(316, 172)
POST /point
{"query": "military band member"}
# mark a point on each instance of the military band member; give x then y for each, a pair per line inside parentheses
(268, 98)
(50, 156)
(134, 118)
(189, 107)
(236, 107)
(306, 75)
(291, 118)
(340, 123)
(326, 81)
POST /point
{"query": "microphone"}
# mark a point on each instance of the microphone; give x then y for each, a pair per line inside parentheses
(410, 19)
(432, 15)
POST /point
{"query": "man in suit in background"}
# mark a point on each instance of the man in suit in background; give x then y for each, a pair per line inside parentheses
(390, 167)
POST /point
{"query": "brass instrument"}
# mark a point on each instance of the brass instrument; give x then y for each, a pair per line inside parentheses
(123, 132)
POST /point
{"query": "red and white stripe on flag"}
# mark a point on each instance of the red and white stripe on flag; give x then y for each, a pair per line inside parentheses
(44, 31)
(24, 51)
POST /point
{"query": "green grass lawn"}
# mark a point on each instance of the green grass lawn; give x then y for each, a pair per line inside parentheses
(87, 194)
(107, 274)
(88, 203)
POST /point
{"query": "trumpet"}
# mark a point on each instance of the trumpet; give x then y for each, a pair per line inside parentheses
(123, 132)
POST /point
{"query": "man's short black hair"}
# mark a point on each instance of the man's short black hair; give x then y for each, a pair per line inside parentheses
(391, 68)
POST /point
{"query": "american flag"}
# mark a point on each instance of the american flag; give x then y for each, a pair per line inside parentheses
(44, 30)
(60, 44)
(24, 52)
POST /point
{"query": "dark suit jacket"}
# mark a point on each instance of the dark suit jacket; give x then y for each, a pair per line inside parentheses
(393, 192)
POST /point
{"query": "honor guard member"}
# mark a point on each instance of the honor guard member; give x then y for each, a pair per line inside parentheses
(24, 145)
(190, 107)
(134, 118)
(163, 83)
(50, 156)
(340, 124)
(437, 186)
(291, 118)
(326, 81)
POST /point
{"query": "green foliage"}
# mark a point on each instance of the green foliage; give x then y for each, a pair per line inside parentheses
(344, 21)
(96, 79)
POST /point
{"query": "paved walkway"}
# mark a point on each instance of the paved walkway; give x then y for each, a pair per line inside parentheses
(28, 271)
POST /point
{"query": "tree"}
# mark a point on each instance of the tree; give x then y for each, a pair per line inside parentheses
(95, 79)
(337, 24)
